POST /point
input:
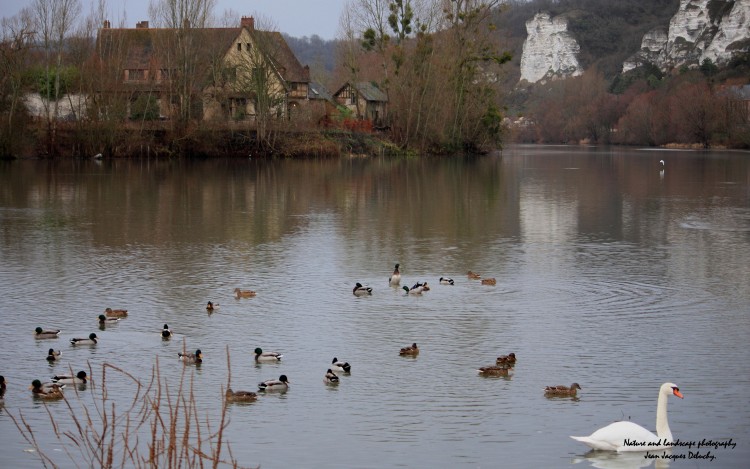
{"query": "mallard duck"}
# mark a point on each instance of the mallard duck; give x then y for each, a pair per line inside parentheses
(165, 332)
(410, 350)
(212, 306)
(446, 281)
(46, 390)
(424, 286)
(474, 275)
(105, 320)
(360, 290)
(53, 355)
(330, 377)
(116, 313)
(261, 356)
(42, 334)
(191, 358)
(509, 359)
(343, 367)
(493, 370)
(560, 390)
(415, 290)
(489, 281)
(281, 384)
(395, 279)
(91, 340)
(240, 396)
(238, 293)
(79, 378)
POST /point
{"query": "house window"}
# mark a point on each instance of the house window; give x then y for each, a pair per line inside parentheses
(239, 46)
(247, 47)
(136, 75)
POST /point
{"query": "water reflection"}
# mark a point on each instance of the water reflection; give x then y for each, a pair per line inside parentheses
(607, 272)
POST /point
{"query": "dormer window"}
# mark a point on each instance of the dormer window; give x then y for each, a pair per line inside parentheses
(239, 46)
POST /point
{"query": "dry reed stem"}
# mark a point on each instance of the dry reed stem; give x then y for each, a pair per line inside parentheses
(170, 419)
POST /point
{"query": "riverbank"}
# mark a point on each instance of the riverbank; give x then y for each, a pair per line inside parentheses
(72, 142)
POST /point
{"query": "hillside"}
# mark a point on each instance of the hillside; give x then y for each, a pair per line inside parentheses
(608, 31)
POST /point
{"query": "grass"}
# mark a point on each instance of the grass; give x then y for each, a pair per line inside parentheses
(159, 427)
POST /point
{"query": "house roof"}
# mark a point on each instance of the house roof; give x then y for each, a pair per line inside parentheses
(317, 91)
(145, 47)
(368, 90)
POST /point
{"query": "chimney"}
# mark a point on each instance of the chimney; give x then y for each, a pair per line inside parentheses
(106, 24)
(141, 25)
(247, 22)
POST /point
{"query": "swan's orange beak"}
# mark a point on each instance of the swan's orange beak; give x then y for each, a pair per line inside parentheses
(677, 393)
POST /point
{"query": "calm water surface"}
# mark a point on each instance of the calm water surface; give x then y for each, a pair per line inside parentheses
(610, 273)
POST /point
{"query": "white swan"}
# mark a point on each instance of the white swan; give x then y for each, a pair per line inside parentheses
(628, 436)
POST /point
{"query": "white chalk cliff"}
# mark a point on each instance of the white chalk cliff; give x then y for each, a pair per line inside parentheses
(701, 29)
(549, 51)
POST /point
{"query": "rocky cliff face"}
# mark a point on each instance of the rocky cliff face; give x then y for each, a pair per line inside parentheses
(549, 51)
(701, 29)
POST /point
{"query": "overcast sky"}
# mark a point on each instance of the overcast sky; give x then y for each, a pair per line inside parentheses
(295, 17)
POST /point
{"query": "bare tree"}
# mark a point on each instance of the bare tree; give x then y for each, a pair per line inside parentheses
(53, 21)
(182, 52)
(15, 45)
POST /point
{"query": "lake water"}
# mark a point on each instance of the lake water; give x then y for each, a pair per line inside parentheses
(611, 272)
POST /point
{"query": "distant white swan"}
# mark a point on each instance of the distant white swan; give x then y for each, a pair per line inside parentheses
(628, 436)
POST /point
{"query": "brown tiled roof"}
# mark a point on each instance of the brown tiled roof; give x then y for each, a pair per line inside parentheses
(144, 47)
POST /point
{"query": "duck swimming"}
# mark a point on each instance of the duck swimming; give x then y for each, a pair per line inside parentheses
(261, 356)
(165, 332)
(494, 370)
(343, 367)
(53, 355)
(238, 293)
(91, 340)
(191, 358)
(410, 350)
(395, 279)
(42, 334)
(360, 290)
(415, 290)
(281, 384)
(46, 390)
(446, 281)
(330, 377)
(560, 390)
(116, 313)
(212, 306)
(509, 359)
(240, 396)
(79, 378)
(103, 320)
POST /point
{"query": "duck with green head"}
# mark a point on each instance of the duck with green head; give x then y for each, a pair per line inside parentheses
(191, 358)
(40, 333)
(165, 332)
(281, 384)
(268, 357)
(90, 340)
(79, 378)
(53, 355)
(46, 390)
(104, 320)
(342, 367)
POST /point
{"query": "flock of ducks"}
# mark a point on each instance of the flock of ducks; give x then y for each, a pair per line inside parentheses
(503, 364)
(53, 389)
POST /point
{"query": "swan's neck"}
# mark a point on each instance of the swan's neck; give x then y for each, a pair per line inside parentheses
(662, 425)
